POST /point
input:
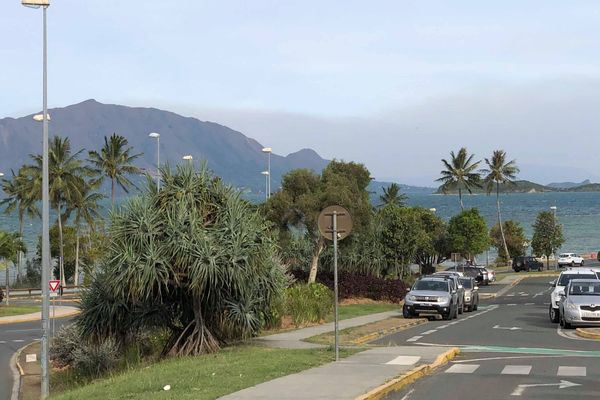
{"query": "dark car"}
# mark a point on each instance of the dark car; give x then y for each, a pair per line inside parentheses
(471, 293)
(474, 272)
(526, 263)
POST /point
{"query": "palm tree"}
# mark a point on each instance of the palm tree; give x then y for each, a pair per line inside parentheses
(21, 197)
(460, 173)
(392, 196)
(498, 172)
(86, 207)
(115, 162)
(66, 180)
(11, 246)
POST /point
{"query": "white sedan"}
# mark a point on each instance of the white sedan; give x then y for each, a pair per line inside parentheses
(569, 259)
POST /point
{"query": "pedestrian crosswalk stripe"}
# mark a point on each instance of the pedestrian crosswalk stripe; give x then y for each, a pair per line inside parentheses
(404, 360)
(462, 369)
(571, 371)
(516, 370)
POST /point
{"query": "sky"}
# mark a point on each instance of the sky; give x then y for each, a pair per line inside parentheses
(396, 84)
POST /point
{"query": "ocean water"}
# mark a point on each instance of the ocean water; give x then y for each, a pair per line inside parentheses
(579, 213)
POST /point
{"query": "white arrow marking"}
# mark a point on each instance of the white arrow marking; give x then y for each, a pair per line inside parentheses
(561, 385)
(514, 328)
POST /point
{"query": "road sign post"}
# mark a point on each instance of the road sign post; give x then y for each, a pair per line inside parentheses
(335, 224)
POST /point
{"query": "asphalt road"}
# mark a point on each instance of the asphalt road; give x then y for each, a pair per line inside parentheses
(509, 349)
(12, 338)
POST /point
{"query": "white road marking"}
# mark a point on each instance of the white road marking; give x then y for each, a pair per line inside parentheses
(408, 394)
(18, 340)
(516, 370)
(510, 295)
(525, 295)
(513, 328)
(511, 304)
(442, 326)
(414, 338)
(571, 371)
(561, 385)
(428, 332)
(404, 360)
(529, 304)
(462, 369)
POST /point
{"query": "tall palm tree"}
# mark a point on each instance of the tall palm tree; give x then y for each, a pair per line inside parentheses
(392, 196)
(21, 197)
(11, 246)
(115, 162)
(460, 173)
(66, 179)
(86, 207)
(498, 172)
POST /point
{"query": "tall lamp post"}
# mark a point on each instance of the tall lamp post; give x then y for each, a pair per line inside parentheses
(45, 381)
(268, 151)
(553, 208)
(267, 176)
(156, 136)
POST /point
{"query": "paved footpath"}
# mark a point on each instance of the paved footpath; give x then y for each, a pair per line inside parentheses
(348, 378)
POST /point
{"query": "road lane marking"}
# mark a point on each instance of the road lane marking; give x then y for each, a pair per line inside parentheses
(561, 385)
(18, 340)
(516, 370)
(529, 304)
(408, 394)
(462, 369)
(442, 326)
(571, 371)
(428, 332)
(404, 360)
(511, 304)
(510, 295)
(414, 338)
(2, 341)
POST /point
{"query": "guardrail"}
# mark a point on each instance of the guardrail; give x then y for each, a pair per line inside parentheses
(31, 292)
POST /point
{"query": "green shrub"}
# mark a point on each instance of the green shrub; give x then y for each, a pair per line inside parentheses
(308, 303)
(64, 343)
(91, 359)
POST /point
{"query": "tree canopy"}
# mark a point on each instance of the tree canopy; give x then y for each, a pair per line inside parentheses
(468, 233)
(515, 240)
(547, 235)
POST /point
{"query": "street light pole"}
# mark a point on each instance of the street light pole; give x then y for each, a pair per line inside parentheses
(45, 378)
(156, 136)
(267, 175)
(553, 208)
(268, 150)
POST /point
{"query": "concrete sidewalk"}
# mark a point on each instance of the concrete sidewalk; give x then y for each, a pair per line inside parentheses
(59, 312)
(364, 375)
(293, 339)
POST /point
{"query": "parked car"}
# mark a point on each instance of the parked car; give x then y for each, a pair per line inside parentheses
(455, 277)
(468, 270)
(580, 303)
(431, 296)
(471, 293)
(526, 263)
(559, 286)
(491, 274)
(569, 259)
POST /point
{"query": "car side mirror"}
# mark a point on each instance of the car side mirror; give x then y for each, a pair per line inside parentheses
(454, 292)
(552, 283)
(408, 290)
(562, 294)
(476, 288)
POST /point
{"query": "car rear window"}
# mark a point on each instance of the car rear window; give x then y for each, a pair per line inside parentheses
(566, 278)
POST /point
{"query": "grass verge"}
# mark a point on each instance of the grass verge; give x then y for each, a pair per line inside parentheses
(18, 309)
(358, 310)
(204, 377)
(366, 333)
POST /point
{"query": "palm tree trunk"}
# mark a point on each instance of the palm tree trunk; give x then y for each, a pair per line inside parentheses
(314, 263)
(76, 281)
(462, 206)
(20, 255)
(112, 193)
(61, 270)
(500, 222)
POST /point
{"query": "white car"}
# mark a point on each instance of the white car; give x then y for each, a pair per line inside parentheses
(560, 284)
(569, 259)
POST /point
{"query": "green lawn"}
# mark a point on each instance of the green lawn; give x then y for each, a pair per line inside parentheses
(204, 377)
(6, 311)
(356, 310)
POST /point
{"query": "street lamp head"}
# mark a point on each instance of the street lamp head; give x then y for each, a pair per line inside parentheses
(553, 208)
(432, 210)
(40, 117)
(188, 157)
(267, 150)
(35, 3)
(265, 172)
(154, 135)
(1, 174)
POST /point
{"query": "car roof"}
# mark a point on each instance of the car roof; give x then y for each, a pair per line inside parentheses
(583, 281)
(433, 278)
(578, 271)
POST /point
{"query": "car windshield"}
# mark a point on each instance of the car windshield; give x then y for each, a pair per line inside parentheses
(566, 278)
(436, 286)
(466, 283)
(564, 255)
(585, 289)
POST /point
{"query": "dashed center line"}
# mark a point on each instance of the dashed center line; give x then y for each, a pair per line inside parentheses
(414, 338)
(428, 332)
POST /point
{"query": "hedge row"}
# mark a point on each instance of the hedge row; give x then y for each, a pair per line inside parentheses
(352, 285)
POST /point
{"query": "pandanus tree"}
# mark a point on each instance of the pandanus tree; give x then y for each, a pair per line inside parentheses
(499, 171)
(193, 258)
(460, 174)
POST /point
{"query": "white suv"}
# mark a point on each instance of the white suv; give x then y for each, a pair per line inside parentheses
(560, 284)
(569, 259)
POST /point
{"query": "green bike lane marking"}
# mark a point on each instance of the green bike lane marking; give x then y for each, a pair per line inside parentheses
(527, 350)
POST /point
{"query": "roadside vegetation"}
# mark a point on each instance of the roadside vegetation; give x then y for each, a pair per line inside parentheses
(17, 309)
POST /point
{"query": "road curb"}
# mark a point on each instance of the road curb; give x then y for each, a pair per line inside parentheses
(409, 377)
(35, 317)
(584, 333)
(376, 335)
(17, 373)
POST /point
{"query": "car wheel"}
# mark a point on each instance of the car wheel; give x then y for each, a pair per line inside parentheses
(564, 323)
(572, 263)
(467, 308)
(553, 313)
(448, 316)
(581, 265)
(406, 313)
(540, 269)
(456, 312)
(475, 306)
(461, 309)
